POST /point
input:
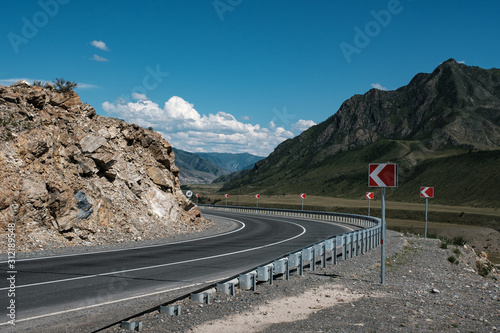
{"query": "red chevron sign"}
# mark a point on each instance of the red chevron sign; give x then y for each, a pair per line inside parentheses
(383, 175)
(369, 195)
(226, 195)
(257, 196)
(302, 195)
(427, 192)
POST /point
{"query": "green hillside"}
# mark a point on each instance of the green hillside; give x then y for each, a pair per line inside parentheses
(443, 129)
(459, 176)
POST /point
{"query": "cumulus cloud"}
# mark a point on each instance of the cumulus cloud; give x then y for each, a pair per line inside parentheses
(138, 96)
(301, 125)
(99, 58)
(461, 62)
(100, 45)
(181, 124)
(378, 86)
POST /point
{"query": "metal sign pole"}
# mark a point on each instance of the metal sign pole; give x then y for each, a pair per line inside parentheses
(302, 203)
(382, 274)
(426, 205)
(369, 207)
(257, 202)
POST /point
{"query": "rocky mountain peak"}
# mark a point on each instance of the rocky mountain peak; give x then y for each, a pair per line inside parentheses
(70, 176)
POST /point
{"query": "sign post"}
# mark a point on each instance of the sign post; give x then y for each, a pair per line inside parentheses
(426, 192)
(227, 196)
(369, 196)
(257, 196)
(197, 197)
(383, 175)
(302, 196)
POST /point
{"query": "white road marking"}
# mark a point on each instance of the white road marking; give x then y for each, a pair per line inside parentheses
(134, 248)
(157, 292)
(163, 265)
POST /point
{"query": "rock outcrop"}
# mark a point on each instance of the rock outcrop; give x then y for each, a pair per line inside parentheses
(72, 177)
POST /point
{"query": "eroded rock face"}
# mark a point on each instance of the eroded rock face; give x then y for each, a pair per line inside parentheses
(69, 176)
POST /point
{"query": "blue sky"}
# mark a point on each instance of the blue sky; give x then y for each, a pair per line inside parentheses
(238, 75)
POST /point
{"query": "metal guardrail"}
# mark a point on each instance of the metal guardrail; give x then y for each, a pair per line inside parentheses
(355, 219)
(346, 246)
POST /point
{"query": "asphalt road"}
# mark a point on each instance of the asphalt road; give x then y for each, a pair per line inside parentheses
(60, 283)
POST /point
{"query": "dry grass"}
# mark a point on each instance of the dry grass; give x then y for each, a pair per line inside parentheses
(481, 238)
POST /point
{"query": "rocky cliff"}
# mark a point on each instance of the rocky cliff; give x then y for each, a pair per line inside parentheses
(72, 177)
(454, 106)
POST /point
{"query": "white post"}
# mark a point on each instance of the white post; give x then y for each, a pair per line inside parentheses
(426, 205)
(382, 274)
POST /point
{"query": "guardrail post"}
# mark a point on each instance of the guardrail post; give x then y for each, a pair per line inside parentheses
(248, 281)
(323, 257)
(312, 263)
(282, 266)
(265, 273)
(363, 241)
(334, 252)
(172, 310)
(344, 249)
(296, 260)
(357, 243)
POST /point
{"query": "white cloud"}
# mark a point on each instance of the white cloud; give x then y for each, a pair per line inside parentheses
(461, 62)
(302, 125)
(181, 124)
(99, 58)
(8, 82)
(378, 86)
(100, 45)
(138, 96)
(245, 118)
(86, 86)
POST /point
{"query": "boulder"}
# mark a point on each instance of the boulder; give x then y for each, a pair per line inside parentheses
(91, 142)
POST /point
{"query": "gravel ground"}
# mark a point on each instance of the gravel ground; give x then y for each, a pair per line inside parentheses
(423, 292)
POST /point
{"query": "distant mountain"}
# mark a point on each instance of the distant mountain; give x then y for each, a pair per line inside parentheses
(203, 168)
(453, 111)
(232, 162)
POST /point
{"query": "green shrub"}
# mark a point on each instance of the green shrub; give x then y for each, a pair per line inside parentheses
(64, 86)
(444, 244)
(453, 259)
(459, 240)
(457, 252)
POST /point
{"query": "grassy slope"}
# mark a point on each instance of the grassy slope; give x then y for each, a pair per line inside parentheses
(459, 177)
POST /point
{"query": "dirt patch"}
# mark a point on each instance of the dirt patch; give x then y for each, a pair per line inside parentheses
(288, 310)
(479, 238)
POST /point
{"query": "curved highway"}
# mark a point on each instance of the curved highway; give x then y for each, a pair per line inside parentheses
(59, 283)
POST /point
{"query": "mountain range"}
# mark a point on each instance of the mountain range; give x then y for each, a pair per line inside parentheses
(443, 129)
(204, 168)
